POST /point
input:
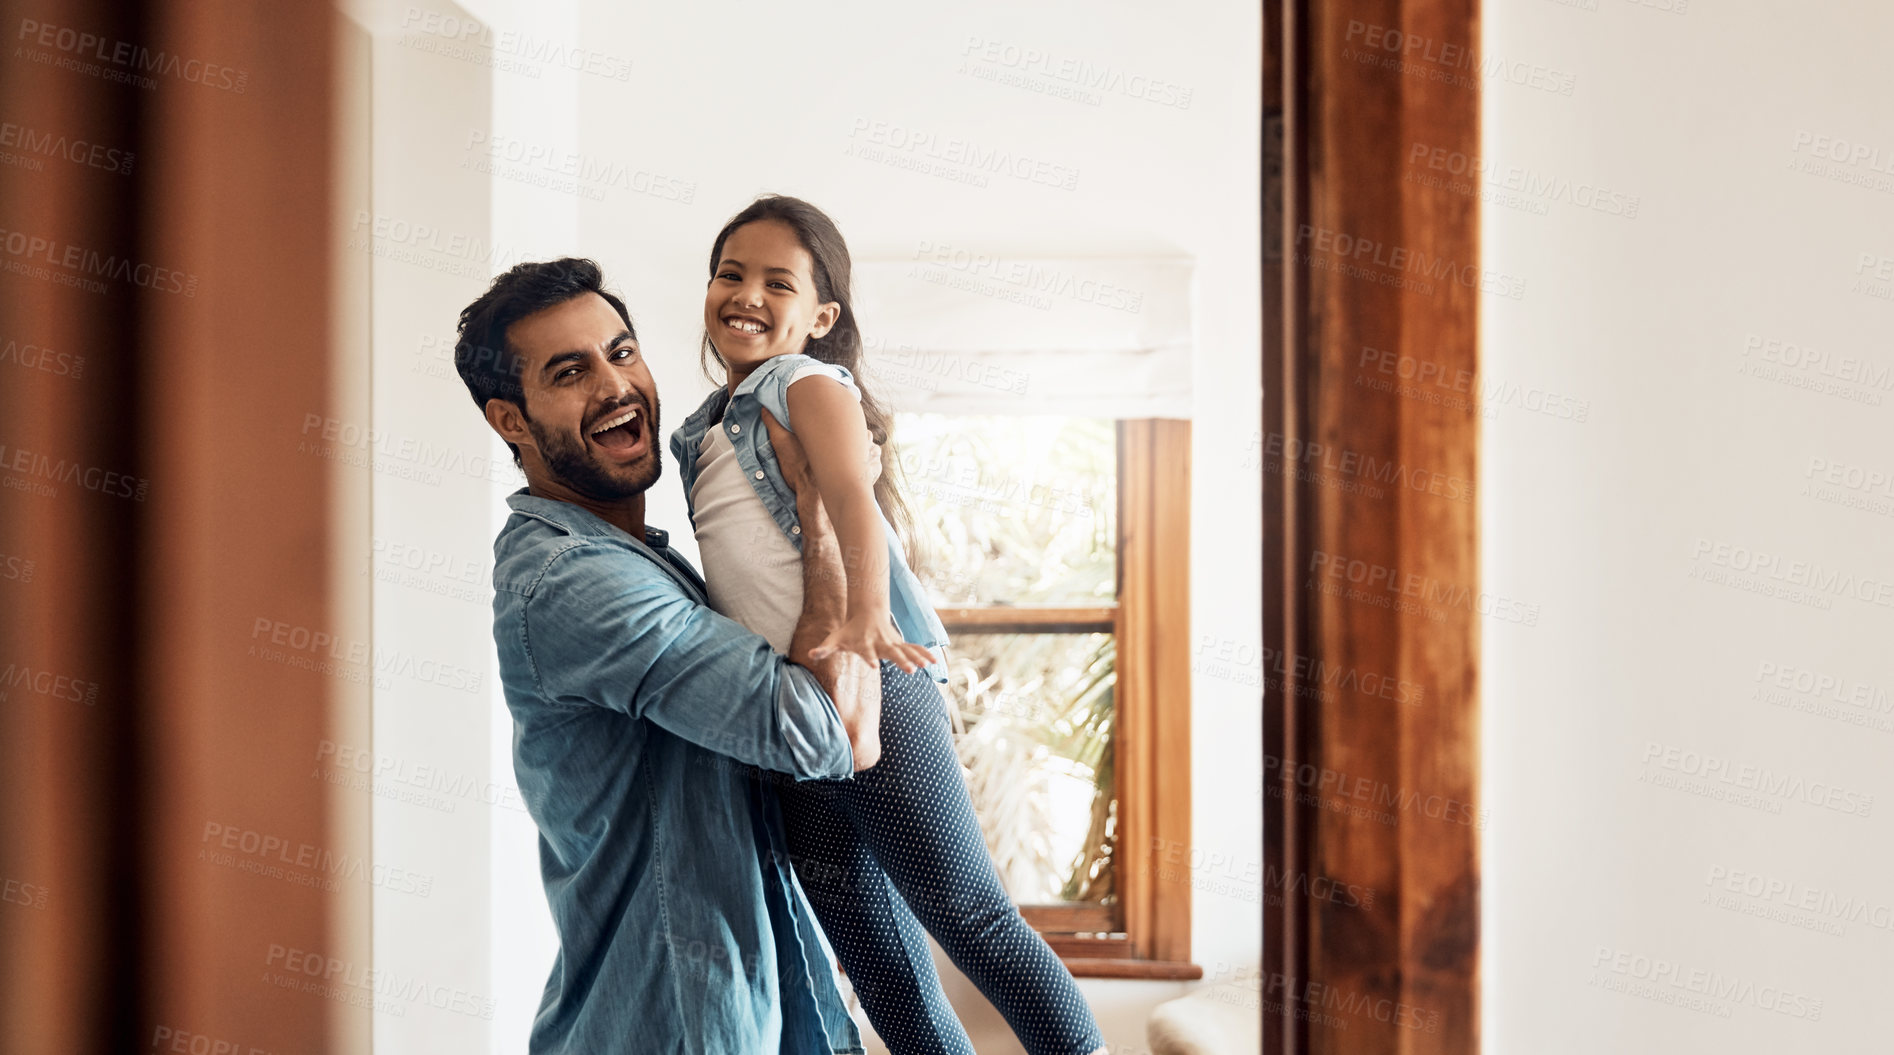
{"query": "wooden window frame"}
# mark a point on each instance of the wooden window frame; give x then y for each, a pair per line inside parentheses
(1149, 937)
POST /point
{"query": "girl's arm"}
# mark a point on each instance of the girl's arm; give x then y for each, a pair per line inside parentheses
(841, 456)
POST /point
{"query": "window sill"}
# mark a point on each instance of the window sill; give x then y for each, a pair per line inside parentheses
(1102, 967)
(1087, 940)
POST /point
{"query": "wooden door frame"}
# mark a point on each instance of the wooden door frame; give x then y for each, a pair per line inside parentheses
(182, 302)
(1372, 595)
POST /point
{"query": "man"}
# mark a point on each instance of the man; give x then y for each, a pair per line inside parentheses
(640, 715)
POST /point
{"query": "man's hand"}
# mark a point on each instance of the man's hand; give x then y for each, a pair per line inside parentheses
(857, 699)
(853, 683)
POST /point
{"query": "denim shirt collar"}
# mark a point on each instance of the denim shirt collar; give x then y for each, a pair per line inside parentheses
(718, 402)
(749, 383)
(578, 520)
(710, 410)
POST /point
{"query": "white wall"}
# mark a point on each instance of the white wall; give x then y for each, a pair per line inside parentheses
(468, 919)
(739, 101)
(706, 107)
(436, 797)
(1704, 443)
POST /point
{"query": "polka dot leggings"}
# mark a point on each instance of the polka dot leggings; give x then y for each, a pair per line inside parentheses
(907, 827)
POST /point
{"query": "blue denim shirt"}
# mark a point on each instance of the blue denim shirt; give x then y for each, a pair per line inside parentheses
(637, 714)
(767, 387)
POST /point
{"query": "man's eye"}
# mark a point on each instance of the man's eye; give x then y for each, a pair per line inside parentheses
(624, 352)
(563, 374)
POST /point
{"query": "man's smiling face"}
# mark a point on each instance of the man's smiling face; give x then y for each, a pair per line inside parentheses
(590, 424)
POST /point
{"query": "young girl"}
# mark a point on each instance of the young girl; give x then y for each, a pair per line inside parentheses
(778, 318)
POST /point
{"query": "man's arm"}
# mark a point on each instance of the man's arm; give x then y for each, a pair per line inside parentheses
(851, 681)
(607, 628)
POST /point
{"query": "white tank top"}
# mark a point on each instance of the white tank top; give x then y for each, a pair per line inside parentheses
(752, 571)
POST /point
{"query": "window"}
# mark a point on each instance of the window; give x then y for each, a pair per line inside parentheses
(1055, 549)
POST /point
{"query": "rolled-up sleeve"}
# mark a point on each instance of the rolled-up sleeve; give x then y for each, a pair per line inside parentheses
(773, 392)
(604, 628)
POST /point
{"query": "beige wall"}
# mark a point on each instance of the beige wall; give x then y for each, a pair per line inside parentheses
(1728, 356)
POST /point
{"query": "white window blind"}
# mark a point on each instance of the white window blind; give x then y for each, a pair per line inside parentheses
(957, 332)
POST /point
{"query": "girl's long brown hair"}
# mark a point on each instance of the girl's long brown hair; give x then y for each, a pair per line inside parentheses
(842, 345)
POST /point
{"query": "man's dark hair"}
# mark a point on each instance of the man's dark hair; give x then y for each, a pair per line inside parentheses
(487, 362)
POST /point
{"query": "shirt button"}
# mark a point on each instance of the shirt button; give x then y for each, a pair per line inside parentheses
(795, 529)
(759, 474)
(736, 428)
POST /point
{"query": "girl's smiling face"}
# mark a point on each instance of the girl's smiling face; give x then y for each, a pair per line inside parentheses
(762, 301)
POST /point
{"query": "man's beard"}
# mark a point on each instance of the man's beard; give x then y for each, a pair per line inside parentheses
(575, 467)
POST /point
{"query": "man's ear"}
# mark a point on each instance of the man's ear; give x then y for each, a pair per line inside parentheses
(825, 319)
(506, 419)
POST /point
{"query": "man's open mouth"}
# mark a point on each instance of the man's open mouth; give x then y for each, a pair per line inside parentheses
(622, 432)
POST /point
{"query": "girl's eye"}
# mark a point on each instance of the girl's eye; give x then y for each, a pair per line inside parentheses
(782, 285)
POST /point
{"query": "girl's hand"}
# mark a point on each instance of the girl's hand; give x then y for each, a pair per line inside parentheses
(873, 638)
